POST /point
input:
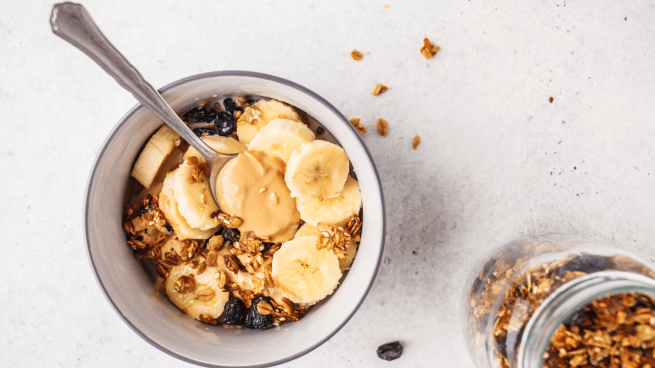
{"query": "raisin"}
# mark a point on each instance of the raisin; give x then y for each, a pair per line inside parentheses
(145, 209)
(390, 351)
(169, 227)
(574, 319)
(320, 131)
(584, 263)
(224, 124)
(267, 246)
(231, 106)
(231, 234)
(256, 320)
(235, 312)
(203, 114)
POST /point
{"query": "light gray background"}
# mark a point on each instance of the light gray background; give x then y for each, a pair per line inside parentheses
(496, 159)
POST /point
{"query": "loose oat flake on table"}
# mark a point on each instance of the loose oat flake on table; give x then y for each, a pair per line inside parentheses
(428, 50)
(379, 89)
(211, 264)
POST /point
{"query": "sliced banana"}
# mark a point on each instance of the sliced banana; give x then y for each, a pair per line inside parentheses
(194, 199)
(333, 211)
(270, 110)
(220, 144)
(153, 155)
(205, 296)
(351, 247)
(304, 273)
(317, 170)
(168, 205)
(281, 137)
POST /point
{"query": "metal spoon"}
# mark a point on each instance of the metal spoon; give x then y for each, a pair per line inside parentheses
(73, 23)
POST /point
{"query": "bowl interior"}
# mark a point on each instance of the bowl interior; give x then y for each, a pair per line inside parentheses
(130, 287)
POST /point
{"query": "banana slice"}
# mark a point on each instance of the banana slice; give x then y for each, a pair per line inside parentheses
(270, 110)
(304, 273)
(194, 198)
(333, 211)
(205, 296)
(168, 206)
(317, 170)
(153, 155)
(344, 263)
(220, 144)
(281, 137)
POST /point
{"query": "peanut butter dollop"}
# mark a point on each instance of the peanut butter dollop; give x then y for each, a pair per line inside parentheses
(251, 186)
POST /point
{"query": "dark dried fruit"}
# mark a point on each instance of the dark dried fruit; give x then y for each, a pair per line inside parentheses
(390, 351)
(224, 124)
(202, 114)
(574, 319)
(231, 106)
(256, 320)
(320, 131)
(586, 263)
(267, 246)
(235, 312)
(169, 227)
(231, 234)
(145, 209)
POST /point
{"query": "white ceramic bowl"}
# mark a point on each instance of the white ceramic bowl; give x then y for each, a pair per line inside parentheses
(129, 286)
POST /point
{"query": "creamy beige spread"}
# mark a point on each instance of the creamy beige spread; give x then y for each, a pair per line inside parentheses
(251, 186)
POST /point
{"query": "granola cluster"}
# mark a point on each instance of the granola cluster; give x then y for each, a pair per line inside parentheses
(614, 331)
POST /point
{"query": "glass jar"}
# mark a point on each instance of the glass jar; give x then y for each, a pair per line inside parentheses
(519, 294)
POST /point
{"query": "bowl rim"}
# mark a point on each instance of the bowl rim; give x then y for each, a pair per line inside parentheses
(234, 73)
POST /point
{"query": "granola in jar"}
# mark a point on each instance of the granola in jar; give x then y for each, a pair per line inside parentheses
(513, 290)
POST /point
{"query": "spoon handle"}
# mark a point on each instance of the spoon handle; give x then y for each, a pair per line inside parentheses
(73, 23)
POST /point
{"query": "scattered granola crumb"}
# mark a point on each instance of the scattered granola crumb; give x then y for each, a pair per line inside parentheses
(379, 89)
(386, 6)
(383, 127)
(365, 52)
(356, 55)
(550, 99)
(428, 50)
(417, 140)
(358, 125)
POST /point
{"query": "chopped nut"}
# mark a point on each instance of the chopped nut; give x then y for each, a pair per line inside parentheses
(356, 55)
(428, 50)
(417, 140)
(193, 160)
(215, 243)
(357, 124)
(550, 99)
(264, 308)
(379, 89)
(383, 127)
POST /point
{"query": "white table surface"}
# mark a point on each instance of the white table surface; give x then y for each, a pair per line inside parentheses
(496, 159)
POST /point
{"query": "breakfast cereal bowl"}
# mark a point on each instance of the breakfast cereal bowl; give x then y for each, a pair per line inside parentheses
(128, 284)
